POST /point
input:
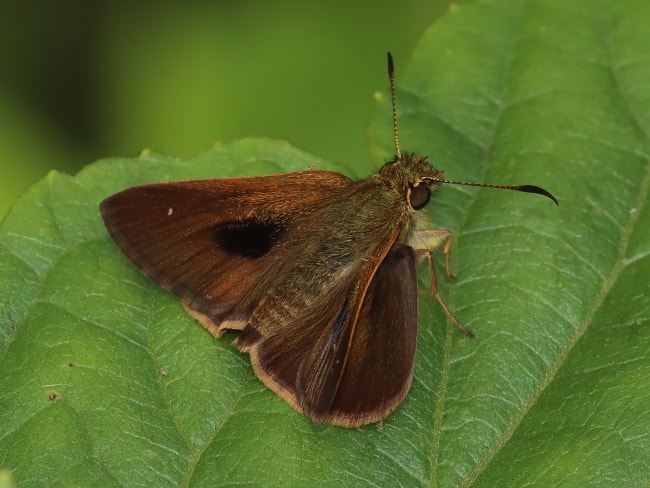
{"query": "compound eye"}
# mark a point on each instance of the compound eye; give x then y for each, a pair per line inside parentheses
(419, 196)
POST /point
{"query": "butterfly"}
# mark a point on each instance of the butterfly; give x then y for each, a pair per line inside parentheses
(317, 272)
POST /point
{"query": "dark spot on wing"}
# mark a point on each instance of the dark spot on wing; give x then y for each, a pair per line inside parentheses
(247, 238)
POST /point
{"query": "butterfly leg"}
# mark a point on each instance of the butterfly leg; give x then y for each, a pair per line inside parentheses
(427, 241)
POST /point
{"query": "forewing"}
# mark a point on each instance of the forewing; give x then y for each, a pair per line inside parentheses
(215, 242)
(354, 365)
(381, 353)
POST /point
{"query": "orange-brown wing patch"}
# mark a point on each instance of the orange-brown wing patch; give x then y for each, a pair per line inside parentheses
(211, 241)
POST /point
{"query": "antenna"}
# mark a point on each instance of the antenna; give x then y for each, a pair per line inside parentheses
(391, 78)
(521, 188)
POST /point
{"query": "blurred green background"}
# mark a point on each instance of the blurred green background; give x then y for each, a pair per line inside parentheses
(86, 80)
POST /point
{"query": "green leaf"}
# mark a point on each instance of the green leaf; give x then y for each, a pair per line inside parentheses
(106, 380)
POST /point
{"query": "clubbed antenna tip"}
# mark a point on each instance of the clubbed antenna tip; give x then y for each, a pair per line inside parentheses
(536, 189)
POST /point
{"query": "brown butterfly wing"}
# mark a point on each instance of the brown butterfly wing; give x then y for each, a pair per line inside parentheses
(381, 353)
(210, 241)
(353, 366)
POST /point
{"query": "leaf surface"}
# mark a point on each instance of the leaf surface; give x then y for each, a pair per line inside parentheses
(107, 382)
